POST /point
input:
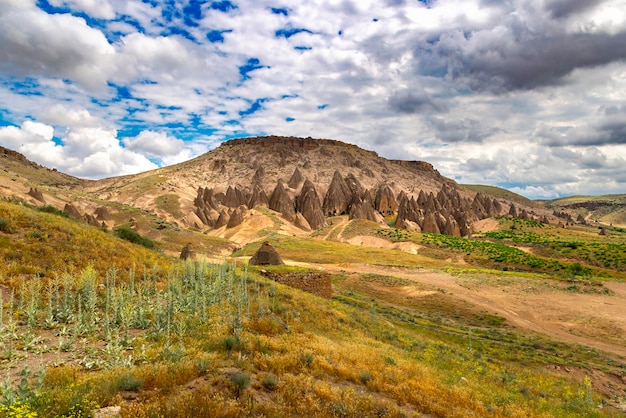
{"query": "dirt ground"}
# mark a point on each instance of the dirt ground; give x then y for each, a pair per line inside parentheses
(594, 317)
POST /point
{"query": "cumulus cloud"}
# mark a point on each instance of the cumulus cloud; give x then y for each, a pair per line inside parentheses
(86, 152)
(168, 150)
(35, 43)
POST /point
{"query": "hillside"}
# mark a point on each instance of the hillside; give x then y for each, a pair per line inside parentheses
(403, 335)
(521, 316)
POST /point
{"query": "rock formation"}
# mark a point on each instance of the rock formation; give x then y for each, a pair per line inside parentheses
(266, 255)
(72, 211)
(282, 203)
(36, 194)
(296, 179)
(102, 214)
(308, 204)
(258, 197)
(385, 202)
(236, 218)
(338, 196)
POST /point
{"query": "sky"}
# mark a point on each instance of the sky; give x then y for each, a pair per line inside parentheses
(525, 95)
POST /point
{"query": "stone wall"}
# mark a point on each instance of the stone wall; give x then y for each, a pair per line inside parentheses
(317, 283)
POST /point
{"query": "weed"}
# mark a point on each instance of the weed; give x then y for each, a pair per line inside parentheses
(270, 382)
(231, 343)
(5, 226)
(241, 381)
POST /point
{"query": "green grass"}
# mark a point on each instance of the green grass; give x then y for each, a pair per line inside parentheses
(330, 252)
(169, 203)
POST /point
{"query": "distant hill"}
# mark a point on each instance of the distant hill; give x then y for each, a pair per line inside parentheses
(502, 194)
(607, 209)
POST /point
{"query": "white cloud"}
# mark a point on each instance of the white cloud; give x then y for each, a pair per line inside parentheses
(100, 9)
(34, 43)
(59, 114)
(167, 149)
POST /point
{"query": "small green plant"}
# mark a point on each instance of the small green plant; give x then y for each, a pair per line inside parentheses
(128, 382)
(231, 343)
(5, 226)
(241, 381)
(365, 377)
(306, 359)
(270, 382)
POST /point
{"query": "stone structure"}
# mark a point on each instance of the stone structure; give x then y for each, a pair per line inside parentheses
(266, 256)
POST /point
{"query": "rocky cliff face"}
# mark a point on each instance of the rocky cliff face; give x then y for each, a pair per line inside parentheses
(444, 212)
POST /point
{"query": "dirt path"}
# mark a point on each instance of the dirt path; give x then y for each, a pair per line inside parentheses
(595, 320)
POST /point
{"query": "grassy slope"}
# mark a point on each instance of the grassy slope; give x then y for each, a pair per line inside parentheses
(217, 340)
(45, 244)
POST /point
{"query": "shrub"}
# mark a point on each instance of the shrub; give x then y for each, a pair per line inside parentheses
(132, 236)
(241, 380)
(128, 382)
(51, 209)
(365, 377)
(231, 343)
(5, 226)
(270, 382)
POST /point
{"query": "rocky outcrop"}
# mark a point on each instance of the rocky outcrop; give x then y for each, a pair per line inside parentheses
(233, 198)
(266, 255)
(308, 204)
(259, 174)
(363, 208)
(338, 196)
(36, 194)
(236, 218)
(102, 214)
(72, 211)
(296, 179)
(282, 203)
(258, 197)
(301, 222)
(222, 220)
(409, 215)
(385, 202)
(91, 220)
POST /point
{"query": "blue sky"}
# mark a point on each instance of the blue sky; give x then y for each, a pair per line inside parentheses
(524, 95)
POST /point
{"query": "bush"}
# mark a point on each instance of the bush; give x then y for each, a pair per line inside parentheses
(51, 209)
(270, 382)
(365, 377)
(5, 226)
(231, 343)
(132, 236)
(128, 382)
(241, 380)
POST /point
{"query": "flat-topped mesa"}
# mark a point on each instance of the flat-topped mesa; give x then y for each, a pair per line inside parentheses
(5, 152)
(291, 142)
